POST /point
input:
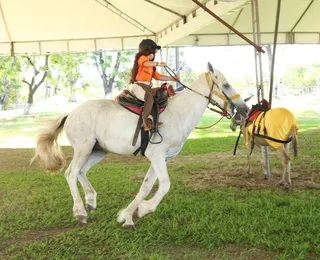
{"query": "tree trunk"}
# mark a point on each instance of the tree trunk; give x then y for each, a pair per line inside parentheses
(105, 84)
(5, 91)
(72, 97)
(27, 109)
(0, 108)
(28, 104)
(109, 87)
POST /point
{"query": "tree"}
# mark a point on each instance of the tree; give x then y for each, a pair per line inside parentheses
(9, 85)
(39, 73)
(112, 68)
(173, 56)
(295, 76)
(67, 68)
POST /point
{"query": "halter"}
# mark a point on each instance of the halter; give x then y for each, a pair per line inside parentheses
(223, 110)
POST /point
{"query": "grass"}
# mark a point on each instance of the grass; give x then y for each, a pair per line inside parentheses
(213, 210)
(278, 223)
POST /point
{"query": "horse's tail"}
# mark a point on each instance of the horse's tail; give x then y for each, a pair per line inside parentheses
(47, 148)
(295, 141)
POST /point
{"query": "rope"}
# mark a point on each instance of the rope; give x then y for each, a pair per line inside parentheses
(209, 126)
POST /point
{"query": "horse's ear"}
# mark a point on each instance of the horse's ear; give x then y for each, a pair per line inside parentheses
(210, 68)
(248, 98)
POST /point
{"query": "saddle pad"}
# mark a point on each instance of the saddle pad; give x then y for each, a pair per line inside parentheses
(138, 110)
(278, 122)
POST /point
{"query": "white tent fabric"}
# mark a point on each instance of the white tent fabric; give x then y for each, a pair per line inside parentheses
(41, 26)
(299, 24)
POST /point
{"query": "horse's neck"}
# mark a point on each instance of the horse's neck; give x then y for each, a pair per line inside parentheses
(190, 106)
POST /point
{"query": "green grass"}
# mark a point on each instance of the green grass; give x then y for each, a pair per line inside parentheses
(285, 223)
(205, 215)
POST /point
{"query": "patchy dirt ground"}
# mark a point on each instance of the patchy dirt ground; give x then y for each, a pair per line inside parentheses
(215, 170)
(226, 170)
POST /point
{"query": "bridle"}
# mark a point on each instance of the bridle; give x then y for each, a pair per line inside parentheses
(227, 100)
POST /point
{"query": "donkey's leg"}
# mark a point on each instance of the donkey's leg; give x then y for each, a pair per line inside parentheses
(263, 162)
(164, 185)
(285, 159)
(126, 214)
(71, 174)
(249, 162)
(90, 194)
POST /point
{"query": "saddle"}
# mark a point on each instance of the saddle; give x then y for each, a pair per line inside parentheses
(257, 109)
(129, 101)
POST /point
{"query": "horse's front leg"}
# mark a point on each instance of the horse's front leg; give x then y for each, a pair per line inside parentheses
(126, 214)
(148, 206)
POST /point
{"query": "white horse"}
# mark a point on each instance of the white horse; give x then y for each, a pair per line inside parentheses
(101, 126)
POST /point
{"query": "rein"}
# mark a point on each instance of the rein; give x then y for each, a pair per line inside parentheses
(223, 112)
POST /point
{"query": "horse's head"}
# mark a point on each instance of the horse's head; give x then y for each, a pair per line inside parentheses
(237, 119)
(225, 95)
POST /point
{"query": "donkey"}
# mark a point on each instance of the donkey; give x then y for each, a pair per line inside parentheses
(275, 128)
(101, 126)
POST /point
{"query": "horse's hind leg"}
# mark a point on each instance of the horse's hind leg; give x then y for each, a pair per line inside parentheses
(80, 158)
(90, 194)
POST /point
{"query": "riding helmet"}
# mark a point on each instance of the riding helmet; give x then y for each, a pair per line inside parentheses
(148, 44)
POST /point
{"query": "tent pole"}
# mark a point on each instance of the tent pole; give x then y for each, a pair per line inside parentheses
(258, 47)
(274, 50)
(258, 67)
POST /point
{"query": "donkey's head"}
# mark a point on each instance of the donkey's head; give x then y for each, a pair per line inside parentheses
(225, 95)
(237, 119)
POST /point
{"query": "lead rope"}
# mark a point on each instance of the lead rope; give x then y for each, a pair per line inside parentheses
(209, 126)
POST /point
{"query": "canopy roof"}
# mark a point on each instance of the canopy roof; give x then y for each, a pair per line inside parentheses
(37, 26)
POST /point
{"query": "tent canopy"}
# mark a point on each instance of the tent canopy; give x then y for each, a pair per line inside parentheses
(37, 26)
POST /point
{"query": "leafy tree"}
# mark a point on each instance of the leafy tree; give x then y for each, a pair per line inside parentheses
(9, 83)
(66, 70)
(113, 68)
(298, 75)
(295, 75)
(187, 75)
(39, 66)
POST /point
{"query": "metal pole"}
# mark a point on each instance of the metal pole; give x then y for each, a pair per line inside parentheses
(258, 67)
(274, 50)
(258, 48)
(177, 64)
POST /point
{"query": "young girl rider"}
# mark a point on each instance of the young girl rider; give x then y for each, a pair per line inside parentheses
(144, 69)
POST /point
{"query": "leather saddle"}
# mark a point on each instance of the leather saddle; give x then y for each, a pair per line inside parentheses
(129, 101)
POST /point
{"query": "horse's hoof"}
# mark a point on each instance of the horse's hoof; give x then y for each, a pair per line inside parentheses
(90, 208)
(129, 226)
(121, 216)
(135, 214)
(266, 177)
(281, 183)
(81, 219)
(287, 186)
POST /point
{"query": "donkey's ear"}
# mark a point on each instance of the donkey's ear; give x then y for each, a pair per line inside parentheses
(248, 98)
(210, 68)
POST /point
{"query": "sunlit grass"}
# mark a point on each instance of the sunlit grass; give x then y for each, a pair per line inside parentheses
(198, 219)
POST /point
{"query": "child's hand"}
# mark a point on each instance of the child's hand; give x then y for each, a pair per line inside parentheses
(162, 64)
(176, 78)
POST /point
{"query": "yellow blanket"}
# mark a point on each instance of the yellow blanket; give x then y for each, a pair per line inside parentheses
(277, 121)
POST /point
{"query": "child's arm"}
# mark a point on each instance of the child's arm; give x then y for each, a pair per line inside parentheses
(154, 64)
(168, 78)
